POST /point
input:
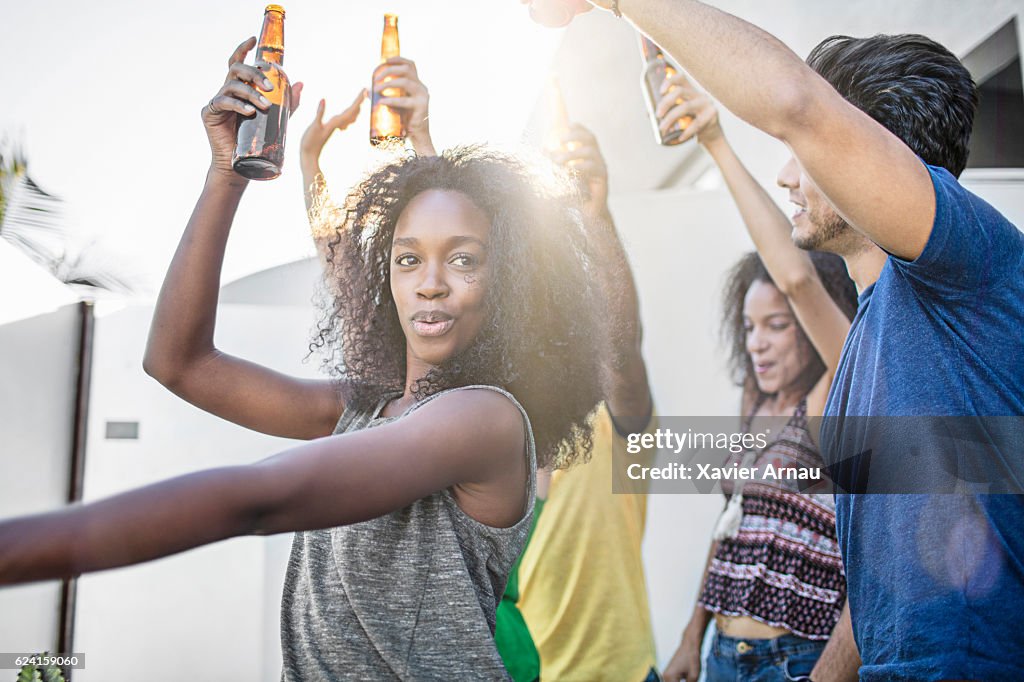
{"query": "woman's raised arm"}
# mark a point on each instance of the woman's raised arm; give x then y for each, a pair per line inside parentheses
(180, 353)
(790, 267)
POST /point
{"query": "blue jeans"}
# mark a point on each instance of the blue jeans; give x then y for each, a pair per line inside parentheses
(782, 659)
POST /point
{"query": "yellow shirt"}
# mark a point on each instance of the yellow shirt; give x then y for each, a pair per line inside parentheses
(581, 580)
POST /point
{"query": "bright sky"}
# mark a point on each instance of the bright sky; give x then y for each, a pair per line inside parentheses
(105, 98)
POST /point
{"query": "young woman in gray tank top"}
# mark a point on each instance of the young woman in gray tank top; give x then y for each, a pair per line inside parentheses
(456, 282)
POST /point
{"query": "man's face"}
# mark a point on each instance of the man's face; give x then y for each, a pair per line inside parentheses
(816, 225)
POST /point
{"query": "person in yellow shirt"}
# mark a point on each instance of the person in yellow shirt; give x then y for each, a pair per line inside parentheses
(582, 590)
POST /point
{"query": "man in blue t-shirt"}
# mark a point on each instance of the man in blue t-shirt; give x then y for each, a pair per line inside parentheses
(879, 130)
(934, 580)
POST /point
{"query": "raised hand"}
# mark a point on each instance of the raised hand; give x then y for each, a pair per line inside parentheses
(680, 100)
(319, 130)
(412, 105)
(578, 151)
(239, 96)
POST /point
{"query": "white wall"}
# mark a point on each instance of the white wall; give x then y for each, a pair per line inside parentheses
(38, 366)
(210, 613)
(680, 244)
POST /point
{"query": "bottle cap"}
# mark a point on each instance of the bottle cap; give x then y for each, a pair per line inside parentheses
(274, 8)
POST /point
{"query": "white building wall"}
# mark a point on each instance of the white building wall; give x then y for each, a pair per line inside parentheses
(680, 244)
(210, 613)
(38, 367)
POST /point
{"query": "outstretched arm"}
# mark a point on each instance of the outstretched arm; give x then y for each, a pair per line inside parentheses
(468, 438)
(872, 179)
(790, 267)
(180, 352)
(627, 392)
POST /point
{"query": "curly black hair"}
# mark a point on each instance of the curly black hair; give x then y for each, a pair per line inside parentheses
(749, 269)
(542, 339)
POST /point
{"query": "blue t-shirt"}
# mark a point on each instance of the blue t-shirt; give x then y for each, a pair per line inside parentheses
(936, 581)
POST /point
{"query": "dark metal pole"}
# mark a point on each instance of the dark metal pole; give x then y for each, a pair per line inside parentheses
(83, 382)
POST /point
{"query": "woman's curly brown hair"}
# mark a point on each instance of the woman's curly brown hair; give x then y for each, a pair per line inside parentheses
(542, 339)
(831, 270)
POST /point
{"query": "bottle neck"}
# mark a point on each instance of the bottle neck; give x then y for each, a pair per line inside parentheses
(271, 45)
(389, 40)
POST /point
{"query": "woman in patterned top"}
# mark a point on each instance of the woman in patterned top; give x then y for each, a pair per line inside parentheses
(456, 282)
(774, 579)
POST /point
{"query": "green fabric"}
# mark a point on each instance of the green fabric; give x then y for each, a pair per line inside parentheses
(510, 633)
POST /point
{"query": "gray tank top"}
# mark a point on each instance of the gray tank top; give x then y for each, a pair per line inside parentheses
(407, 596)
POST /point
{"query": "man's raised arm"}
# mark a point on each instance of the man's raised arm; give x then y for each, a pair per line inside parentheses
(870, 176)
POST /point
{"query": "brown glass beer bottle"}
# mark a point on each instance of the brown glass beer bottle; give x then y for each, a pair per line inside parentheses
(259, 151)
(657, 68)
(386, 123)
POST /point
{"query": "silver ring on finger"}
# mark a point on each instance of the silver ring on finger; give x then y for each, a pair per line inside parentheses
(209, 105)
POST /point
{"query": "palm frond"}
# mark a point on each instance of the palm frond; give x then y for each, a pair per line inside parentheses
(33, 220)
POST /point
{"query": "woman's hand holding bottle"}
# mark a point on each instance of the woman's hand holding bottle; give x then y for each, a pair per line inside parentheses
(241, 95)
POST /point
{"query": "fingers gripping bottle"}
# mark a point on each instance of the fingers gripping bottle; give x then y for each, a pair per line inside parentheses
(386, 123)
(657, 68)
(259, 151)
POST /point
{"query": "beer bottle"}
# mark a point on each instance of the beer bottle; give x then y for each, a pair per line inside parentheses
(386, 123)
(657, 68)
(259, 151)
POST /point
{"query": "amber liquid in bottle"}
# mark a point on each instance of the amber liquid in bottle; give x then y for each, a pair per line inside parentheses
(259, 151)
(657, 68)
(386, 123)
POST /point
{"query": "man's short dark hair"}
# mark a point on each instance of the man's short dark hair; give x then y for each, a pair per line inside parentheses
(910, 84)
